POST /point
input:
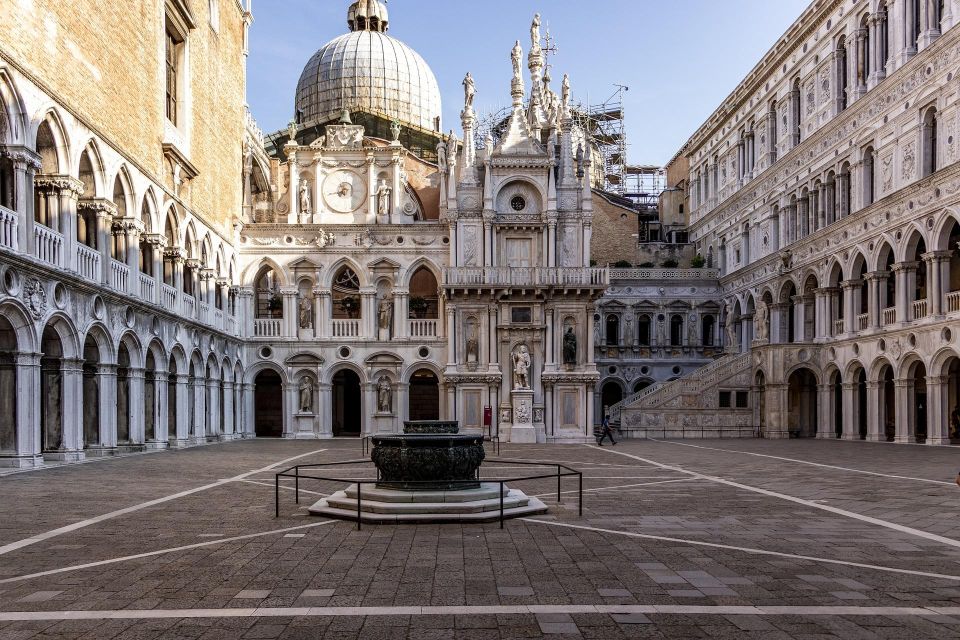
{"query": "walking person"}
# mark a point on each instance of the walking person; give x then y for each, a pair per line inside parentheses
(606, 431)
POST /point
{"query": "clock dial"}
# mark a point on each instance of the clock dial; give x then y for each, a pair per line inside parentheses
(344, 191)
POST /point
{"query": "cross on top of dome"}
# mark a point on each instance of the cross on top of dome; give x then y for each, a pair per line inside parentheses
(368, 15)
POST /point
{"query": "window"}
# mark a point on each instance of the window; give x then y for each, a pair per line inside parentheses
(518, 203)
(725, 399)
(842, 74)
(676, 331)
(929, 141)
(707, 330)
(795, 111)
(521, 315)
(868, 177)
(173, 52)
(613, 330)
(742, 399)
(643, 330)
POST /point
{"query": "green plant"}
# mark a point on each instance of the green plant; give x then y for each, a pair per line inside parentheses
(670, 263)
(646, 265)
(418, 306)
(593, 263)
(350, 306)
(622, 264)
(698, 262)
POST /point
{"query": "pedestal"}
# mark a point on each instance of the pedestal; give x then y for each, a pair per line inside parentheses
(383, 423)
(305, 426)
(522, 429)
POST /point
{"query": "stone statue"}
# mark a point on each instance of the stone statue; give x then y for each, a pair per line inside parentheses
(469, 91)
(305, 204)
(383, 198)
(662, 333)
(692, 331)
(452, 143)
(395, 131)
(442, 156)
(306, 395)
(565, 92)
(292, 132)
(385, 314)
(570, 347)
(535, 33)
(306, 313)
(730, 329)
(384, 395)
(761, 322)
(473, 344)
(521, 368)
(517, 56)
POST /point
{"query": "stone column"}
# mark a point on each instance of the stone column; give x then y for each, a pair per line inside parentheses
(938, 271)
(903, 407)
(904, 272)
(28, 409)
(105, 215)
(161, 428)
(72, 439)
(133, 229)
(874, 399)
(107, 382)
(911, 36)
(938, 410)
(822, 206)
(213, 394)
(851, 289)
(844, 184)
(289, 322)
(826, 428)
(323, 312)
(451, 342)
(70, 192)
(874, 280)
(851, 411)
(136, 406)
(401, 313)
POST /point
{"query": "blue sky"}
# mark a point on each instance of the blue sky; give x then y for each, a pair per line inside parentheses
(680, 58)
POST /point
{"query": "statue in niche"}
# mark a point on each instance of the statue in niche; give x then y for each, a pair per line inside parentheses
(306, 313)
(473, 343)
(305, 204)
(521, 368)
(730, 329)
(384, 395)
(761, 321)
(306, 395)
(628, 331)
(662, 331)
(383, 198)
(517, 57)
(469, 91)
(385, 314)
(692, 331)
(535, 33)
(570, 347)
(442, 156)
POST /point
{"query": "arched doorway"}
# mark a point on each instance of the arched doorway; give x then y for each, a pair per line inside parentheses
(862, 403)
(610, 394)
(268, 405)
(347, 406)
(424, 396)
(802, 404)
(123, 395)
(888, 405)
(642, 384)
(172, 400)
(150, 399)
(8, 387)
(91, 393)
(836, 391)
(51, 391)
(917, 388)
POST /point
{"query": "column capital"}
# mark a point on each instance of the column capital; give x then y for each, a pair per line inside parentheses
(100, 207)
(175, 254)
(59, 183)
(906, 266)
(851, 284)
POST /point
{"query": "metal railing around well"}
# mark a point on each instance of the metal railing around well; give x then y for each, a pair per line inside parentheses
(563, 471)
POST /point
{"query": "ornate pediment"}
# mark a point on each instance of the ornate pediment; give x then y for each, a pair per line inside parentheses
(304, 360)
(344, 136)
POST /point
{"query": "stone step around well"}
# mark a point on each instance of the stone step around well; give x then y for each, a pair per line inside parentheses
(487, 490)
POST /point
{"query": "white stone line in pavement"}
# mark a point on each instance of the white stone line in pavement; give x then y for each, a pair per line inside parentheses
(727, 547)
(285, 488)
(531, 609)
(807, 503)
(46, 535)
(813, 464)
(159, 552)
(619, 486)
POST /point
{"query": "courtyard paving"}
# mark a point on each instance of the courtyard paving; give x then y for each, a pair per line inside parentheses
(693, 539)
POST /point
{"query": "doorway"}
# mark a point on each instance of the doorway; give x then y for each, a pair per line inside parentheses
(424, 396)
(347, 407)
(268, 405)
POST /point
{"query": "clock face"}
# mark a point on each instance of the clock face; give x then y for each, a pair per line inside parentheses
(344, 191)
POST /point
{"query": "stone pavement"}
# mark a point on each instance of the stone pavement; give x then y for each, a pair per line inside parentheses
(693, 539)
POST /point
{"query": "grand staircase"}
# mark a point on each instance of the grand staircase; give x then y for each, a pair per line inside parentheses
(691, 406)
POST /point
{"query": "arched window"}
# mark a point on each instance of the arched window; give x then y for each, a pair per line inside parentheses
(843, 192)
(772, 131)
(643, 330)
(269, 302)
(424, 295)
(843, 74)
(864, 53)
(676, 330)
(929, 148)
(795, 111)
(346, 294)
(869, 192)
(613, 330)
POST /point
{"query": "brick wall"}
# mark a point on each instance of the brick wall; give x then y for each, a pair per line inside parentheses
(614, 232)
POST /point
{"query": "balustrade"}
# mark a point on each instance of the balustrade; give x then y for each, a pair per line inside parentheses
(423, 328)
(346, 328)
(8, 228)
(168, 297)
(189, 306)
(889, 315)
(838, 327)
(919, 309)
(527, 276)
(863, 321)
(266, 328)
(88, 262)
(953, 302)
(119, 275)
(204, 316)
(48, 245)
(147, 287)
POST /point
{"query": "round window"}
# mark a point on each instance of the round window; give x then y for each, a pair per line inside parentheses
(424, 352)
(344, 352)
(266, 352)
(518, 203)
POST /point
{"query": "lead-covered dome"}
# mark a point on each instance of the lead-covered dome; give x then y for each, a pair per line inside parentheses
(367, 70)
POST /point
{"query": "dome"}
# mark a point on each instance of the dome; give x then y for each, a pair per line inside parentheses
(367, 70)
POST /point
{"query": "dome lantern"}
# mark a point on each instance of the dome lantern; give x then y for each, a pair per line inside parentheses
(368, 15)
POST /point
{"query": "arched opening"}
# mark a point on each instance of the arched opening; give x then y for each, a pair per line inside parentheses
(424, 399)
(269, 302)
(950, 241)
(172, 398)
(837, 300)
(888, 404)
(869, 177)
(46, 203)
(347, 407)
(795, 112)
(862, 403)
(836, 392)
(51, 391)
(8, 387)
(424, 300)
(192, 383)
(864, 59)
(123, 394)
(91, 393)
(802, 404)
(346, 295)
(810, 286)
(788, 316)
(268, 405)
(150, 399)
(844, 192)
(613, 330)
(842, 73)
(643, 330)
(676, 330)
(642, 384)
(950, 412)
(916, 272)
(118, 245)
(170, 233)
(610, 394)
(87, 216)
(888, 286)
(917, 401)
(145, 254)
